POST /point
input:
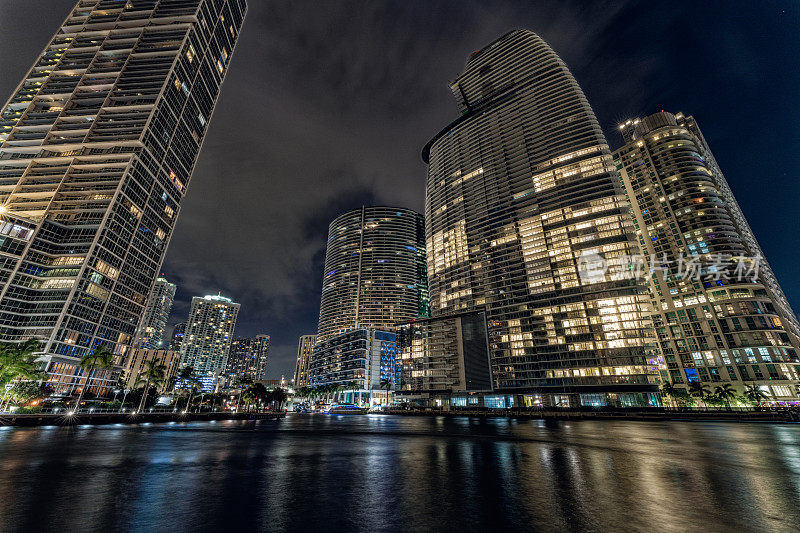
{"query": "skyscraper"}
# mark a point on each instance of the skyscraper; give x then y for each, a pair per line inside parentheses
(207, 340)
(713, 323)
(150, 334)
(97, 147)
(177, 336)
(521, 190)
(447, 354)
(248, 358)
(305, 348)
(360, 360)
(375, 271)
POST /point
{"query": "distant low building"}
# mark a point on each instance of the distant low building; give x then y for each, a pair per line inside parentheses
(137, 363)
(270, 384)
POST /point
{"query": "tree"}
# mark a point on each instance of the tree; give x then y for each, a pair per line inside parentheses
(670, 390)
(352, 386)
(242, 381)
(699, 390)
(100, 357)
(279, 396)
(255, 393)
(726, 393)
(187, 377)
(152, 374)
(387, 385)
(754, 393)
(18, 363)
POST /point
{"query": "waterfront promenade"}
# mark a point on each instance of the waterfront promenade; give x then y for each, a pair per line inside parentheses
(100, 418)
(645, 414)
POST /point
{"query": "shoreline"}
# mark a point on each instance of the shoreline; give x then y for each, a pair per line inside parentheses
(50, 419)
(783, 417)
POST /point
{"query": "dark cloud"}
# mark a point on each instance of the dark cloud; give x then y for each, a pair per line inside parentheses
(327, 105)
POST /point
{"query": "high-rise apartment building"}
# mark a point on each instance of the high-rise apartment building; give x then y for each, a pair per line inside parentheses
(305, 348)
(445, 355)
(521, 191)
(207, 339)
(248, 359)
(138, 361)
(360, 360)
(719, 314)
(177, 336)
(375, 271)
(97, 147)
(150, 334)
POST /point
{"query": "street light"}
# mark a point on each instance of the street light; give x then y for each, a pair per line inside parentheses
(121, 410)
(9, 386)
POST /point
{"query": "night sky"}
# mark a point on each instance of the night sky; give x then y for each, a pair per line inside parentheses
(327, 106)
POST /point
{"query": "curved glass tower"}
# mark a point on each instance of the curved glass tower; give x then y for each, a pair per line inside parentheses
(521, 193)
(374, 271)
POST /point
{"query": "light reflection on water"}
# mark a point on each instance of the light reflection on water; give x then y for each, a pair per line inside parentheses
(368, 473)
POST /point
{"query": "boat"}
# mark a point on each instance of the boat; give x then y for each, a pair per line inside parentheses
(346, 409)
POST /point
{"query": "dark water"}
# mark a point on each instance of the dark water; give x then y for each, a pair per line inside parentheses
(382, 473)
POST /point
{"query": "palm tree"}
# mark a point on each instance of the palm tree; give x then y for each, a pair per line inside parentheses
(242, 382)
(153, 374)
(184, 374)
(256, 392)
(726, 393)
(386, 384)
(754, 393)
(279, 396)
(18, 362)
(100, 357)
(194, 385)
(352, 386)
(670, 390)
(699, 390)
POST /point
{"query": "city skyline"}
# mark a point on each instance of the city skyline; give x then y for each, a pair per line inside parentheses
(631, 60)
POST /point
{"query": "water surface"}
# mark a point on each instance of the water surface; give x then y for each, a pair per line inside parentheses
(384, 473)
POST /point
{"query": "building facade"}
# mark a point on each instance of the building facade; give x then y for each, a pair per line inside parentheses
(207, 339)
(359, 359)
(177, 336)
(305, 348)
(97, 147)
(445, 355)
(137, 363)
(718, 315)
(521, 190)
(150, 334)
(248, 358)
(375, 271)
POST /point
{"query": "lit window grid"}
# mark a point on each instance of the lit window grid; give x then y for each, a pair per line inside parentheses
(472, 273)
(80, 155)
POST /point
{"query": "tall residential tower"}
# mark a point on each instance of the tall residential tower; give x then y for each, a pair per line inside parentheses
(719, 314)
(207, 338)
(305, 348)
(521, 195)
(97, 147)
(375, 272)
(150, 334)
